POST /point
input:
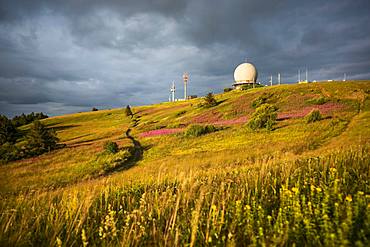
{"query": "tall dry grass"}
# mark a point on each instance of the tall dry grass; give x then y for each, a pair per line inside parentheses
(315, 201)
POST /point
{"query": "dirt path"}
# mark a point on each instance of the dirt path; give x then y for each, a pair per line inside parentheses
(138, 149)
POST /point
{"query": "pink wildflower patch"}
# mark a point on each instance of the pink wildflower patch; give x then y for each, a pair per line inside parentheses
(160, 132)
(324, 109)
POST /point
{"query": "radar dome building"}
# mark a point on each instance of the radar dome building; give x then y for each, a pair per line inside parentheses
(245, 74)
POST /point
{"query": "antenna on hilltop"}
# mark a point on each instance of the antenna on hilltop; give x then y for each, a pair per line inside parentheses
(306, 74)
(271, 80)
(279, 78)
(173, 90)
(185, 77)
(299, 75)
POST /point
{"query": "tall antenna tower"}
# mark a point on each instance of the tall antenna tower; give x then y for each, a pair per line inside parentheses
(344, 77)
(299, 75)
(185, 77)
(271, 80)
(279, 78)
(173, 90)
(306, 74)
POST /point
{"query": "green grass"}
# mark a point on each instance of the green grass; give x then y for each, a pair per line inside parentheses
(300, 183)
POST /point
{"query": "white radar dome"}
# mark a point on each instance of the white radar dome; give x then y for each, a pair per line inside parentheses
(245, 73)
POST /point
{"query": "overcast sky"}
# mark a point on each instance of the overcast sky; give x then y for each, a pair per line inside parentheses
(68, 56)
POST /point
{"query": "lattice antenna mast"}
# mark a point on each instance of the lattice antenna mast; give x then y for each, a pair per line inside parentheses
(185, 77)
(299, 75)
(173, 90)
(279, 78)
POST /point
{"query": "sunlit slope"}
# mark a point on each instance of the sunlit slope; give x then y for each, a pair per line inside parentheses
(84, 135)
(345, 106)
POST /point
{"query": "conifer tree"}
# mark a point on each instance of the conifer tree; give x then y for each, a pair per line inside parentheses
(128, 111)
(40, 139)
(210, 100)
(8, 132)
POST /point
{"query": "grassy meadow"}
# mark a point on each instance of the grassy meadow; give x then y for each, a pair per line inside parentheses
(299, 184)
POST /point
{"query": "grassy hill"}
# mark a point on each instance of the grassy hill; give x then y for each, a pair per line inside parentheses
(300, 183)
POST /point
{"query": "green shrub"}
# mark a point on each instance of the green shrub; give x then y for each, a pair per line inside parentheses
(262, 99)
(111, 147)
(198, 130)
(313, 116)
(264, 117)
(94, 109)
(209, 100)
(8, 152)
(228, 89)
(108, 162)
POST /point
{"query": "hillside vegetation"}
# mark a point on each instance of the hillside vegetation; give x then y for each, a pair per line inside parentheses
(298, 181)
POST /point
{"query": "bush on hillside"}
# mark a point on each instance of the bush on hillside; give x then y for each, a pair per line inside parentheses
(94, 109)
(128, 111)
(111, 147)
(9, 152)
(262, 99)
(8, 132)
(313, 116)
(209, 100)
(264, 117)
(228, 89)
(40, 139)
(198, 130)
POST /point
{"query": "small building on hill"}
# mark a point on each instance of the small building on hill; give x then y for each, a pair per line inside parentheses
(191, 97)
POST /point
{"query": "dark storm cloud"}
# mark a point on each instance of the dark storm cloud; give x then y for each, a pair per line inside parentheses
(66, 56)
